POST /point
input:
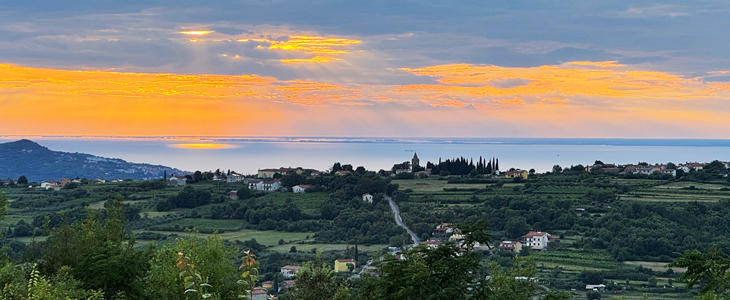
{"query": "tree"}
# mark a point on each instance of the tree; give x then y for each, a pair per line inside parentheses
(517, 283)
(452, 270)
(209, 257)
(593, 295)
(360, 170)
(98, 253)
(557, 169)
(710, 269)
(316, 281)
(516, 227)
(22, 180)
(197, 176)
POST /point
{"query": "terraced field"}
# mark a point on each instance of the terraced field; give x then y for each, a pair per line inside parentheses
(680, 191)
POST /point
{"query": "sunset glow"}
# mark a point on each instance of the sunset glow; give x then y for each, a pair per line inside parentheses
(196, 32)
(255, 70)
(323, 48)
(202, 146)
(92, 102)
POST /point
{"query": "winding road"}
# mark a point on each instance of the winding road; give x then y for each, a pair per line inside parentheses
(399, 220)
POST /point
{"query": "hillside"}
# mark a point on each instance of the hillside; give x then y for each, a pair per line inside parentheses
(38, 163)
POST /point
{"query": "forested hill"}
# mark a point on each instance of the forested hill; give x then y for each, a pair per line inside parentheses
(38, 163)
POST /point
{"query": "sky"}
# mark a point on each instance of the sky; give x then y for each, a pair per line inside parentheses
(583, 69)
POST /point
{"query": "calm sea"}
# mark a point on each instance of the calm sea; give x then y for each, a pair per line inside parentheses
(247, 155)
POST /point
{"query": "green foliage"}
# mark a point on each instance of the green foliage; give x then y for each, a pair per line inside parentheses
(189, 197)
(97, 254)
(556, 295)
(316, 281)
(21, 282)
(250, 268)
(195, 285)
(710, 269)
(209, 258)
(516, 283)
(449, 271)
(593, 295)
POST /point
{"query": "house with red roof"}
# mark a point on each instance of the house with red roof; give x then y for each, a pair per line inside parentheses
(537, 240)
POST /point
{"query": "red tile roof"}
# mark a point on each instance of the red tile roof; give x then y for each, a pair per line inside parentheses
(535, 233)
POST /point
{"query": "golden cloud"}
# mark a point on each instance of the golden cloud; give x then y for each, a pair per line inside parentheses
(197, 32)
(513, 101)
(602, 64)
(323, 48)
(601, 79)
(49, 101)
(312, 93)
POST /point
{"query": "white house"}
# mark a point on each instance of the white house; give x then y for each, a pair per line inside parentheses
(537, 240)
(367, 198)
(178, 180)
(289, 271)
(266, 186)
(647, 170)
(51, 185)
(595, 287)
(269, 186)
(691, 166)
(233, 178)
(300, 188)
(233, 195)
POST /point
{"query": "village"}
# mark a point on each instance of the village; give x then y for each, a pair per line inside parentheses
(296, 182)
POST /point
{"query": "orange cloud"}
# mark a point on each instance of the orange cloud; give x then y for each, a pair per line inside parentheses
(513, 101)
(316, 59)
(603, 79)
(197, 32)
(323, 48)
(317, 93)
(103, 102)
(562, 100)
(602, 64)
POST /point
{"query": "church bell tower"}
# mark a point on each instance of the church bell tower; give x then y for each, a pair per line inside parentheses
(415, 162)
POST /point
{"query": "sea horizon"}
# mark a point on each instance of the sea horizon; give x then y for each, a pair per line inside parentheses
(248, 154)
(689, 142)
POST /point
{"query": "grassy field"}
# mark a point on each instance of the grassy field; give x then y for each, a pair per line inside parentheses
(420, 186)
(679, 191)
(656, 266)
(575, 258)
(309, 203)
(268, 238)
(327, 247)
(202, 225)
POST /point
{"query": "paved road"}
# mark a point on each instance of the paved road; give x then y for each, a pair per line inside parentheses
(399, 221)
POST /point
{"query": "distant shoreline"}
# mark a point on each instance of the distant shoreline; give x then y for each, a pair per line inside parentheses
(404, 140)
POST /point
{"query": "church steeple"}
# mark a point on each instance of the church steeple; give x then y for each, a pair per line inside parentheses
(415, 162)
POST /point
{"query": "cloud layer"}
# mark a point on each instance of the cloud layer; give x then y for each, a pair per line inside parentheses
(569, 69)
